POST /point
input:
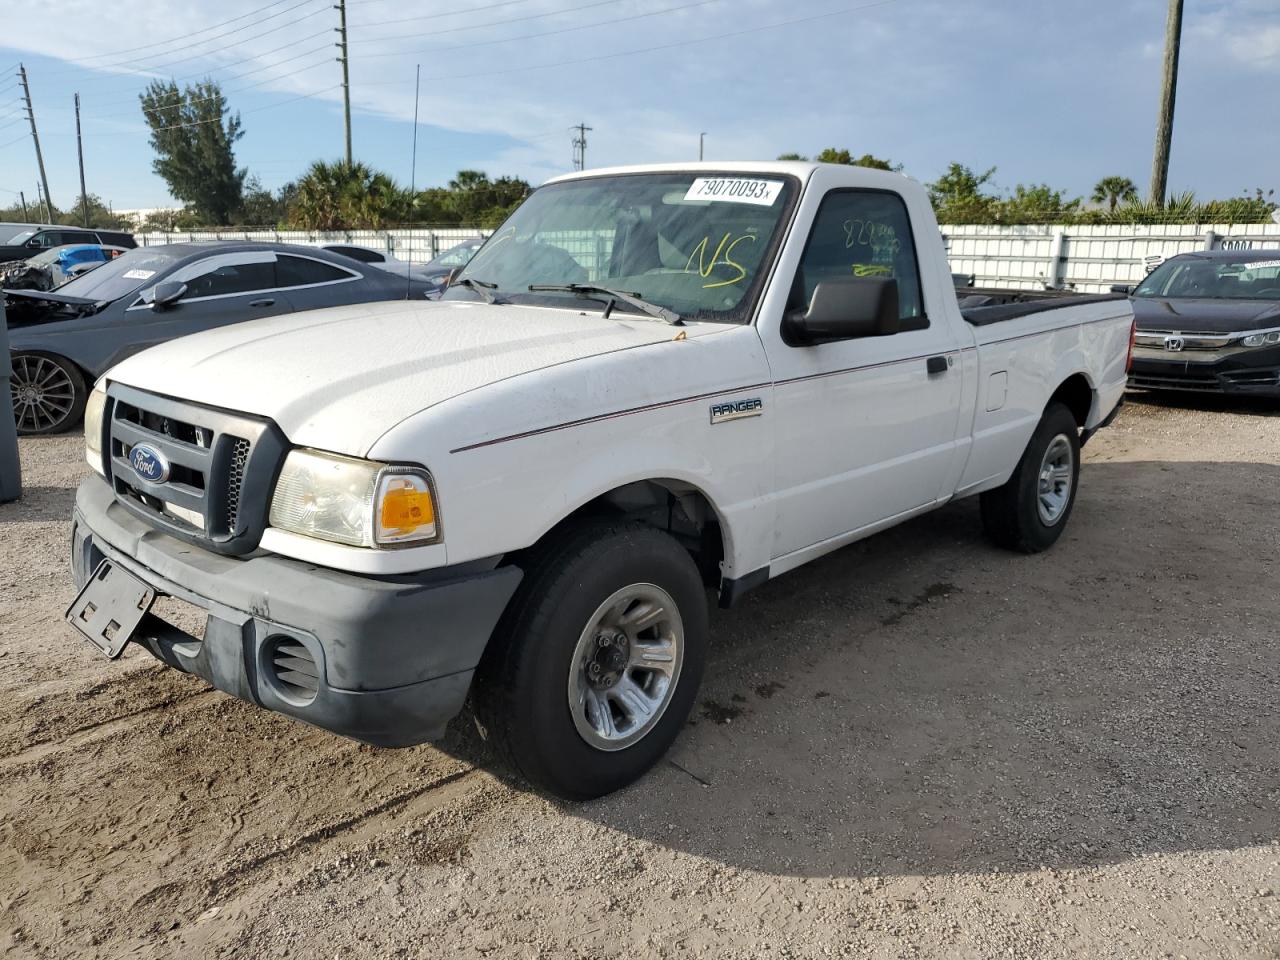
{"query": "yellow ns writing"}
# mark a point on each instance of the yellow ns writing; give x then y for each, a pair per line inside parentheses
(723, 251)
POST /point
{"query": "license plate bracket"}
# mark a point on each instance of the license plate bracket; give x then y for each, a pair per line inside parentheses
(109, 608)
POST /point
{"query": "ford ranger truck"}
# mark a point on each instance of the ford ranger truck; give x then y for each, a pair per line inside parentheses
(650, 383)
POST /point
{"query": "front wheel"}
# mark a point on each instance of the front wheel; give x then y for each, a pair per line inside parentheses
(595, 667)
(49, 393)
(1029, 512)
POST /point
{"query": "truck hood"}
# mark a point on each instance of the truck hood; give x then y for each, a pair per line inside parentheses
(339, 378)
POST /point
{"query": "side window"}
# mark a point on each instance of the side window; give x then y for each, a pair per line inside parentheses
(863, 233)
(299, 271)
(359, 253)
(230, 279)
(45, 240)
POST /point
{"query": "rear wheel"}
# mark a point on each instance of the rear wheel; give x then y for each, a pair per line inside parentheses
(49, 393)
(596, 664)
(1029, 512)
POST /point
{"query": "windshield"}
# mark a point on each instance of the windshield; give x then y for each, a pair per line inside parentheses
(696, 244)
(1180, 278)
(116, 278)
(18, 239)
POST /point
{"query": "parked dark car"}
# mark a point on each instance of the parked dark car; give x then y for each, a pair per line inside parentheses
(1209, 322)
(31, 240)
(55, 266)
(63, 340)
(438, 269)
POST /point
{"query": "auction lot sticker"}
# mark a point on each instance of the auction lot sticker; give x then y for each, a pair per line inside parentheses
(735, 190)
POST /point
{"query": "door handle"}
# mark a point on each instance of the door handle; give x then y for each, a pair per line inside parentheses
(262, 303)
(936, 365)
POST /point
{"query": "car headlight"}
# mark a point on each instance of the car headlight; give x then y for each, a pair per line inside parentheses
(357, 502)
(1268, 339)
(93, 427)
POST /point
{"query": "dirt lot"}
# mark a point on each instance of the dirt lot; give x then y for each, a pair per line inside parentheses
(917, 747)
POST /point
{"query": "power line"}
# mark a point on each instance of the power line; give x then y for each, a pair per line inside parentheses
(223, 93)
(481, 26)
(545, 33)
(248, 73)
(129, 62)
(663, 46)
(198, 123)
(163, 68)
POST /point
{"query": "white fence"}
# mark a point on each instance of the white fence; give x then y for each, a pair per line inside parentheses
(1085, 258)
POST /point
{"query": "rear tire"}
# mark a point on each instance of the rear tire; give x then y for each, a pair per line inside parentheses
(594, 668)
(49, 394)
(1029, 512)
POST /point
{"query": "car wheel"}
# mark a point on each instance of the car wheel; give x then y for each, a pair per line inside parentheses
(595, 666)
(49, 393)
(1028, 513)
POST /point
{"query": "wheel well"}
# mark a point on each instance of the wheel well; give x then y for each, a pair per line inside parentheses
(1077, 396)
(679, 508)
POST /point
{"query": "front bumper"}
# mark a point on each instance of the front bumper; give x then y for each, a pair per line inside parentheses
(1254, 372)
(394, 656)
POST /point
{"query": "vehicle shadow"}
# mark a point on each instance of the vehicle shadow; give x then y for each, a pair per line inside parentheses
(39, 504)
(924, 703)
(1209, 402)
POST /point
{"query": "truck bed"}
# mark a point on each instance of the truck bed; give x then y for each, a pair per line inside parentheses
(980, 315)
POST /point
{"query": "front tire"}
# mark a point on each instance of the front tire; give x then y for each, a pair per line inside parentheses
(49, 394)
(1029, 512)
(595, 666)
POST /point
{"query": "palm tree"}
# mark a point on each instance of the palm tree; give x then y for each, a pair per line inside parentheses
(338, 196)
(1113, 191)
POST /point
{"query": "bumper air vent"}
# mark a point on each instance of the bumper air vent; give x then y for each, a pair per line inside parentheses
(293, 669)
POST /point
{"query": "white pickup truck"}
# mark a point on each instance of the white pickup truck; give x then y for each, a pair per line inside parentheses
(649, 383)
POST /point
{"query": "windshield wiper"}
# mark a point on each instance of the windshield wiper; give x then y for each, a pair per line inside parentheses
(608, 296)
(482, 287)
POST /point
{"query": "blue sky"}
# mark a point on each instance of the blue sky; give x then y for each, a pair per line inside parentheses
(1062, 91)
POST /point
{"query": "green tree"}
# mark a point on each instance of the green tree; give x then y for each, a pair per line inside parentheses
(259, 207)
(194, 136)
(1037, 203)
(791, 156)
(1114, 190)
(335, 196)
(958, 197)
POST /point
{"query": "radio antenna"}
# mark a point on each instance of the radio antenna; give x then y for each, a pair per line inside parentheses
(413, 178)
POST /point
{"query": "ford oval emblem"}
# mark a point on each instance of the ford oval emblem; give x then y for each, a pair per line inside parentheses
(149, 463)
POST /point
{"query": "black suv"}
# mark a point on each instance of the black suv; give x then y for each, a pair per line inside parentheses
(30, 240)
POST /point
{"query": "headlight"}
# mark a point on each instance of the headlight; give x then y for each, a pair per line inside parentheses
(93, 427)
(356, 502)
(1267, 339)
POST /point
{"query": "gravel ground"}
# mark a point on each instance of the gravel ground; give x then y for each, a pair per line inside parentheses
(919, 746)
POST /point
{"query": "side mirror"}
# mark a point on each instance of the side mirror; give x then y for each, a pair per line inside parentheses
(33, 243)
(1122, 288)
(164, 294)
(843, 308)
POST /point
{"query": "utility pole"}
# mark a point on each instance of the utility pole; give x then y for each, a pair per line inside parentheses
(701, 140)
(1164, 123)
(35, 136)
(48, 213)
(84, 197)
(580, 146)
(341, 7)
(23, 198)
